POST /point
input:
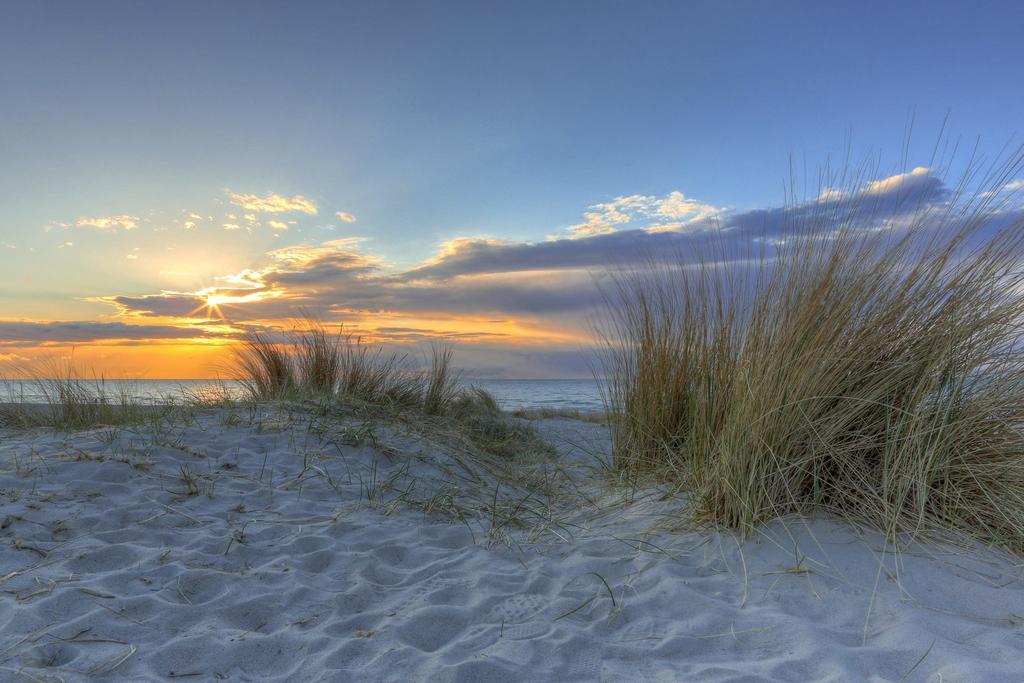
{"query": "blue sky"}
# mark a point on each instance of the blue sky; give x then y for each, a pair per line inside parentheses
(428, 122)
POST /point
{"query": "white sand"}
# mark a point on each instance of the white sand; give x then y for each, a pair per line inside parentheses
(110, 571)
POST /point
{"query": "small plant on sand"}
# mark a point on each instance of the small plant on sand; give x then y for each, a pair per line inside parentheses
(190, 481)
(867, 360)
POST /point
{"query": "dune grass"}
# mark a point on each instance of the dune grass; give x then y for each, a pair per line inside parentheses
(876, 374)
(265, 369)
(71, 402)
(317, 360)
(311, 362)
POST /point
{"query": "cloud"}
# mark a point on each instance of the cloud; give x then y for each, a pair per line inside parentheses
(345, 216)
(15, 333)
(403, 335)
(1014, 185)
(552, 284)
(602, 218)
(109, 223)
(703, 226)
(278, 225)
(677, 206)
(273, 203)
(164, 304)
(907, 182)
(642, 211)
(232, 226)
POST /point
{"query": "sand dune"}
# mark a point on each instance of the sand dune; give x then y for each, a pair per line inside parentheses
(275, 546)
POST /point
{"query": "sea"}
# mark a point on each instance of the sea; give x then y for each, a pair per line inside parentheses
(512, 394)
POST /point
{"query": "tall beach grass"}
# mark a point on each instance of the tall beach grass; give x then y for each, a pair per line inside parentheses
(864, 361)
(310, 361)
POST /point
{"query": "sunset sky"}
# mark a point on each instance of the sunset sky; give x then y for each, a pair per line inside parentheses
(173, 172)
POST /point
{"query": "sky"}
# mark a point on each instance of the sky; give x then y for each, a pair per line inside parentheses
(173, 173)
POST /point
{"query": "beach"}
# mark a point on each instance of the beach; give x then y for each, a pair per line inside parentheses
(273, 542)
(473, 342)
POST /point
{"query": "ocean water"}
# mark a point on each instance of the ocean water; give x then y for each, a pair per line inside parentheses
(512, 394)
(568, 394)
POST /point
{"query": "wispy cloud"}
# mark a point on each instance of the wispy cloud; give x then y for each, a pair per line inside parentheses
(278, 225)
(345, 216)
(109, 223)
(273, 203)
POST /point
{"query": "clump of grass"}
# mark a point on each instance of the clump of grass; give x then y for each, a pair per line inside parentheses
(265, 368)
(317, 360)
(477, 416)
(189, 480)
(72, 402)
(476, 399)
(870, 368)
(369, 375)
(504, 436)
(311, 362)
(441, 388)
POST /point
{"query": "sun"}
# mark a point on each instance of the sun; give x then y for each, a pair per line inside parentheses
(213, 302)
(210, 305)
